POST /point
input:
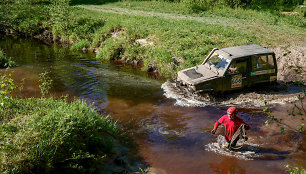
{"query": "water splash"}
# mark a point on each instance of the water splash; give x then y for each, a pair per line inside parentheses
(182, 98)
(220, 147)
(242, 98)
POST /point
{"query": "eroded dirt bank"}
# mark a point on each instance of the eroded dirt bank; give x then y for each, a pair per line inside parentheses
(291, 62)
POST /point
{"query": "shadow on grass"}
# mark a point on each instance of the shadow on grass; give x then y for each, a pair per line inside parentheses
(91, 2)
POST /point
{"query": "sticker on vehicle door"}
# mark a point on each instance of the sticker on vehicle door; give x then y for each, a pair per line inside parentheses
(236, 81)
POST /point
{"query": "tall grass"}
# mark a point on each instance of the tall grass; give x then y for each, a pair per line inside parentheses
(47, 135)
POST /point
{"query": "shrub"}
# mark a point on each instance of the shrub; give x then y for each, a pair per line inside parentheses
(296, 170)
(6, 62)
(198, 5)
(48, 135)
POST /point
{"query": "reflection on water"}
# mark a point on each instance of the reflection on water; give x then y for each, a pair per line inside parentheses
(80, 74)
(227, 167)
(171, 138)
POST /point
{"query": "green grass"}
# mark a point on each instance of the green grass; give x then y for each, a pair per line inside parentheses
(51, 135)
(154, 6)
(179, 38)
(80, 45)
(48, 135)
(189, 41)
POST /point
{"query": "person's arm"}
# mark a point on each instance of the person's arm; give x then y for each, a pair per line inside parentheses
(247, 127)
(217, 125)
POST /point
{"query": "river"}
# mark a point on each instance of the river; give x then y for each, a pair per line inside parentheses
(171, 138)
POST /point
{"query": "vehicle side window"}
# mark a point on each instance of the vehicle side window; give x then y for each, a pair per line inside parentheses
(262, 62)
(237, 66)
(271, 60)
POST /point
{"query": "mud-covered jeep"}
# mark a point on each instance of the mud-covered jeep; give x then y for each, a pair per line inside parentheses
(231, 68)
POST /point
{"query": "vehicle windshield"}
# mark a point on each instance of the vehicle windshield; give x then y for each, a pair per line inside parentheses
(218, 62)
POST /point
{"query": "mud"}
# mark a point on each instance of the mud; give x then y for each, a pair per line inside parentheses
(288, 59)
(282, 94)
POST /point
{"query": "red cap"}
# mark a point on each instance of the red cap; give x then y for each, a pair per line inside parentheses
(231, 110)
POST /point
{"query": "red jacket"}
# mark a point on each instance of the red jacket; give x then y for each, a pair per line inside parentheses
(231, 126)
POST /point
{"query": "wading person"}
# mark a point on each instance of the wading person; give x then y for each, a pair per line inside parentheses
(234, 127)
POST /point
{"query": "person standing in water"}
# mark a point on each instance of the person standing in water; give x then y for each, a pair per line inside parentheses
(234, 127)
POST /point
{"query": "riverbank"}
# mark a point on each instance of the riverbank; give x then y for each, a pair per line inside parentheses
(161, 41)
(57, 135)
(167, 135)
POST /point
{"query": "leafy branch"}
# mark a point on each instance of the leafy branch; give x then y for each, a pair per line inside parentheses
(45, 85)
(297, 109)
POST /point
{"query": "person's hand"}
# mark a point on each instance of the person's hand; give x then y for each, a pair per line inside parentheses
(213, 131)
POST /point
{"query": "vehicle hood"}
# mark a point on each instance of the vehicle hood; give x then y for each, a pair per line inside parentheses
(196, 75)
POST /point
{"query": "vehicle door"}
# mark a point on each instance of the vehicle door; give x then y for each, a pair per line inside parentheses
(236, 75)
(262, 69)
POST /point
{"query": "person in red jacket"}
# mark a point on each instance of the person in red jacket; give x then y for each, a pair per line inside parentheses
(234, 127)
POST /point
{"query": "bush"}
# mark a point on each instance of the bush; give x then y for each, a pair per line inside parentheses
(296, 170)
(6, 62)
(22, 16)
(198, 5)
(48, 135)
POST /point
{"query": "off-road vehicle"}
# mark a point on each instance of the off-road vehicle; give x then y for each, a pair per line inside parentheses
(231, 68)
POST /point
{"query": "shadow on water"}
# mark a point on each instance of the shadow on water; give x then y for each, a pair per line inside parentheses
(264, 153)
(252, 150)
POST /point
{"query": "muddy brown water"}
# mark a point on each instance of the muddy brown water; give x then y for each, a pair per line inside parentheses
(170, 138)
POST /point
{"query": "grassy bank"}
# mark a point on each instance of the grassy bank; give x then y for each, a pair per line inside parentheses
(162, 36)
(47, 135)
